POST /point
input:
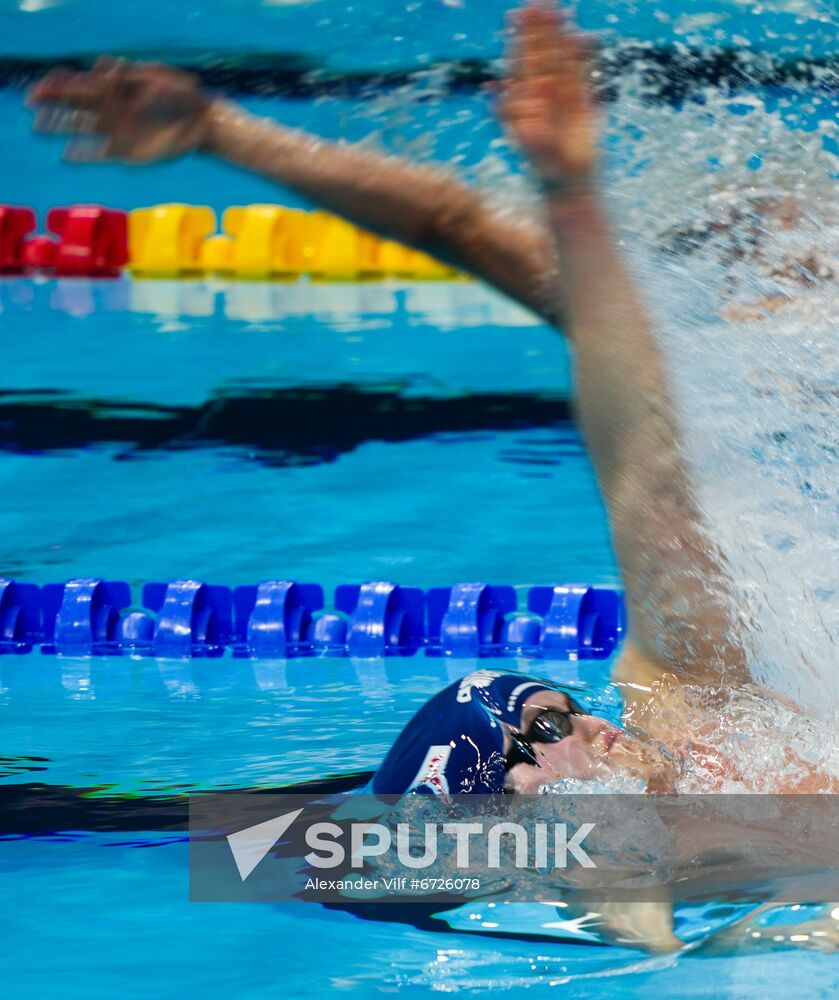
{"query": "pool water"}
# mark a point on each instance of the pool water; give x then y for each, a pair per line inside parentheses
(103, 907)
(233, 433)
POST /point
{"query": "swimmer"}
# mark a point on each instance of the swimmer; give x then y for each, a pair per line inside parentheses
(503, 732)
(685, 656)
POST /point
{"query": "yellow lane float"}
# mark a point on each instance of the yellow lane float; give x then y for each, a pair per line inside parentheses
(166, 241)
(264, 242)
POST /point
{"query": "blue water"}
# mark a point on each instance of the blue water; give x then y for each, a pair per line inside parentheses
(106, 914)
(338, 34)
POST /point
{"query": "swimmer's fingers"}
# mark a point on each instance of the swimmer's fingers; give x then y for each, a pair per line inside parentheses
(119, 147)
(546, 43)
(540, 33)
(58, 120)
(89, 150)
(546, 48)
(124, 111)
(79, 103)
(533, 48)
(66, 88)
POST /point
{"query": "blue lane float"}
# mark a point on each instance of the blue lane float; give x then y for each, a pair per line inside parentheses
(281, 618)
(275, 617)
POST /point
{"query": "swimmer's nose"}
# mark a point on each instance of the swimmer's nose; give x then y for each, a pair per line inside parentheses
(589, 728)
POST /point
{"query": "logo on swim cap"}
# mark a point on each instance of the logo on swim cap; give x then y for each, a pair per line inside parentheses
(480, 679)
(432, 771)
(493, 694)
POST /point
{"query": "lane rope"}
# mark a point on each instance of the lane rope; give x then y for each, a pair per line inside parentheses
(281, 618)
(257, 242)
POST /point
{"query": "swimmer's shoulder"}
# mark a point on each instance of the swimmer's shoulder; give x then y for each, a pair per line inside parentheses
(635, 669)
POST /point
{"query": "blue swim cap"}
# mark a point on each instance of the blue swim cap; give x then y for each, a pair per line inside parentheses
(455, 744)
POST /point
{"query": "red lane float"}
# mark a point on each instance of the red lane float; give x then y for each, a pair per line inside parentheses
(39, 254)
(15, 225)
(91, 241)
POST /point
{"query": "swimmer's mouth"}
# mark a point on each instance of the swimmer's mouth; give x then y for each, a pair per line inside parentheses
(610, 738)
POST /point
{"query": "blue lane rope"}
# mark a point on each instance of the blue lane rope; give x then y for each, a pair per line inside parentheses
(279, 618)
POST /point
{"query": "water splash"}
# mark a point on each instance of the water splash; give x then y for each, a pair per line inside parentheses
(733, 232)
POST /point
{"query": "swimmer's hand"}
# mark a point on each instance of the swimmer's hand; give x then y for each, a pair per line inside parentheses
(750, 934)
(123, 112)
(547, 103)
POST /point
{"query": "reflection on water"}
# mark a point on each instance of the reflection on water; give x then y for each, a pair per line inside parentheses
(284, 427)
(342, 306)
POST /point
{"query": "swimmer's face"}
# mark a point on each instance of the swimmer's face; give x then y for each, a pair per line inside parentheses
(593, 749)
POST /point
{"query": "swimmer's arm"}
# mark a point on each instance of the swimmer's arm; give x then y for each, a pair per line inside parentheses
(748, 934)
(674, 583)
(646, 926)
(675, 586)
(425, 207)
(144, 113)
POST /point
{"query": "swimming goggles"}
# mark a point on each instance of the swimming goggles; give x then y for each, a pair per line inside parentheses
(550, 726)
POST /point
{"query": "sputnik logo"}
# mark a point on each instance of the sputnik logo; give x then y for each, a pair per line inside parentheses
(251, 845)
